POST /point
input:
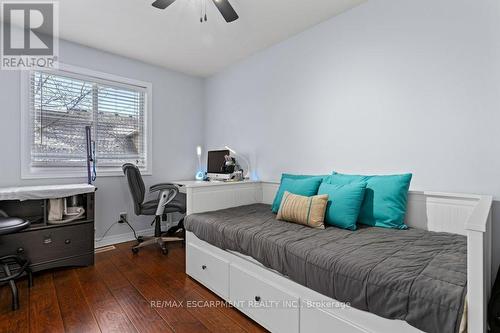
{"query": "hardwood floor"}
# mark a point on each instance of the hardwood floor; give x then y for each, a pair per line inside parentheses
(117, 295)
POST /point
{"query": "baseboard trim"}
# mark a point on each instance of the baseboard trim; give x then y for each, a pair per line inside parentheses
(121, 238)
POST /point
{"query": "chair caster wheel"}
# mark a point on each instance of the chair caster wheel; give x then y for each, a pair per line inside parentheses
(140, 239)
(164, 251)
(135, 250)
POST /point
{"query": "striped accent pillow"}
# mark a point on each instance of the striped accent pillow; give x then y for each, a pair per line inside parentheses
(309, 211)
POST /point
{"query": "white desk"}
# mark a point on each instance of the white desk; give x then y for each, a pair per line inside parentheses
(204, 196)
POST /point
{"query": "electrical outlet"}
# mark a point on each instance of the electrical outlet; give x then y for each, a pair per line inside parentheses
(123, 217)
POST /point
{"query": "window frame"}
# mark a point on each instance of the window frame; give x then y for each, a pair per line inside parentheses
(30, 172)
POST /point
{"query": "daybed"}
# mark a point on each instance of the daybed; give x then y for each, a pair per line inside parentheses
(291, 278)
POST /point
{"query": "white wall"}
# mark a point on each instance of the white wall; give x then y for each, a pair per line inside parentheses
(177, 130)
(390, 86)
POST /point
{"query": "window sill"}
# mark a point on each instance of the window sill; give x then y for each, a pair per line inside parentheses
(55, 173)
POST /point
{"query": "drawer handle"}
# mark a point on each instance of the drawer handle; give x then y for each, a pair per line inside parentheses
(67, 241)
(257, 298)
(203, 267)
(20, 250)
(47, 240)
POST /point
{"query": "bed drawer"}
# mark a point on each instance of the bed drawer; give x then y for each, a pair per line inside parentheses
(269, 305)
(209, 269)
(315, 320)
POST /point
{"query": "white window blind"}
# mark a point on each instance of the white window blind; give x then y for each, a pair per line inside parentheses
(61, 105)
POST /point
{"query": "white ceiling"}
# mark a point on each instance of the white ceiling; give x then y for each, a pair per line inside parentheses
(175, 38)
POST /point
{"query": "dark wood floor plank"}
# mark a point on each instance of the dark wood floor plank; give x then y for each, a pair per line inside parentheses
(165, 304)
(15, 321)
(161, 269)
(115, 296)
(76, 313)
(137, 309)
(107, 311)
(5, 299)
(45, 315)
(173, 260)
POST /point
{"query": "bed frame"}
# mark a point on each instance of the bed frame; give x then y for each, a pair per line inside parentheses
(281, 305)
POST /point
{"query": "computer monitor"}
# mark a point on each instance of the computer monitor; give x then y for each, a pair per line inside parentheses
(216, 162)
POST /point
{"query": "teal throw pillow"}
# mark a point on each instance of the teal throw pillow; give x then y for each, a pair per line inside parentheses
(344, 203)
(385, 199)
(307, 186)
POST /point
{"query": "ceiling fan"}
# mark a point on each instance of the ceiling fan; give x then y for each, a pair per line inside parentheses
(223, 6)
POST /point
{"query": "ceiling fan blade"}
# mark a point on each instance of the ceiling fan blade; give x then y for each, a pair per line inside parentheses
(162, 4)
(226, 10)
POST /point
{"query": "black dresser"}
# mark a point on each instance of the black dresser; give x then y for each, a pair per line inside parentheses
(51, 245)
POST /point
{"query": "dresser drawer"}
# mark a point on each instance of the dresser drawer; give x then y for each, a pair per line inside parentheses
(206, 267)
(268, 304)
(50, 244)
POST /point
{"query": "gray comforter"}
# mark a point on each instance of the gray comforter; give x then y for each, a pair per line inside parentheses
(413, 275)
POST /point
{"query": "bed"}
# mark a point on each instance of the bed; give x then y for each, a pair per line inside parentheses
(393, 280)
(414, 275)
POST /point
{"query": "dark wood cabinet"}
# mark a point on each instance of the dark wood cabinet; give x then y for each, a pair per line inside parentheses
(51, 245)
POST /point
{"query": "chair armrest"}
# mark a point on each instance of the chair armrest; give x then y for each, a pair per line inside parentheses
(167, 193)
(162, 187)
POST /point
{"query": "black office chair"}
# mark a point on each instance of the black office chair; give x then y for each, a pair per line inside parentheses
(169, 200)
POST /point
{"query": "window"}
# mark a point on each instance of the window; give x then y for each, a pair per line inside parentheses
(61, 103)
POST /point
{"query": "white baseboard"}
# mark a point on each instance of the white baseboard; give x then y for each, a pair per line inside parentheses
(121, 238)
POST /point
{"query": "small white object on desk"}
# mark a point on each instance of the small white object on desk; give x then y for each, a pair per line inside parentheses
(44, 192)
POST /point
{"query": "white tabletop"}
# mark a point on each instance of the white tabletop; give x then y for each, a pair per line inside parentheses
(44, 191)
(201, 183)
